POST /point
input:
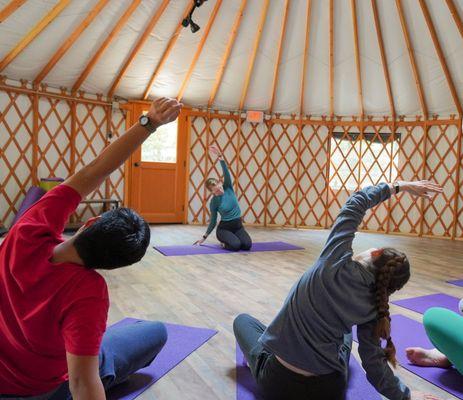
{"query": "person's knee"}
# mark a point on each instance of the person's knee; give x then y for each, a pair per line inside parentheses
(238, 322)
(436, 321)
(157, 333)
(246, 245)
(234, 245)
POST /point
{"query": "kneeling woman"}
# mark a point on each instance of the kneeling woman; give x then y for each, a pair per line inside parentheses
(304, 352)
(230, 232)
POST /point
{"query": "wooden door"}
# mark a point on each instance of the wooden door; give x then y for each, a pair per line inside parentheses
(157, 172)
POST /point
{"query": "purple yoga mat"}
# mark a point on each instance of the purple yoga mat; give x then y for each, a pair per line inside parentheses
(359, 388)
(182, 341)
(409, 333)
(458, 282)
(32, 196)
(190, 250)
(421, 304)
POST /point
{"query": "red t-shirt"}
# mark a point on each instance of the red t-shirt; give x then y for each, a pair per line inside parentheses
(46, 309)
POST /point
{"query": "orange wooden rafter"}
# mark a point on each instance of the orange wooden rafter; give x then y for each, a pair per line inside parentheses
(357, 57)
(254, 53)
(279, 52)
(416, 75)
(166, 53)
(440, 54)
(306, 54)
(70, 41)
(141, 41)
(122, 21)
(227, 53)
(199, 50)
(455, 15)
(10, 8)
(33, 33)
(383, 57)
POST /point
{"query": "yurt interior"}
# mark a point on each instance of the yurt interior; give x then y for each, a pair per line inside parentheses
(198, 194)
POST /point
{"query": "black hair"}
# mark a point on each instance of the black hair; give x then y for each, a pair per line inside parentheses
(117, 239)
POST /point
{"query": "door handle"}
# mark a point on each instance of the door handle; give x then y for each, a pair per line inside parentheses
(137, 164)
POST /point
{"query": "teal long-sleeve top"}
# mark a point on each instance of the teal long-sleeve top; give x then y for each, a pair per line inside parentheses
(227, 204)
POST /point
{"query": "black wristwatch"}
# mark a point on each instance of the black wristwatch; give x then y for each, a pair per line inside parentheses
(396, 187)
(145, 121)
(204, 236)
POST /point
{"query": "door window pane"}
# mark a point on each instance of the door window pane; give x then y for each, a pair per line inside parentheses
(161, 146)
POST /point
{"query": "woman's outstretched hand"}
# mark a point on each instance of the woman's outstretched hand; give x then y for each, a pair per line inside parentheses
(421, 188)
(199, 242)
(214, 151)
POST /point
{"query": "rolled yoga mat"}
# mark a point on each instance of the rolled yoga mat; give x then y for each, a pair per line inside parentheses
(181, 342)
(458, 282)
(33, 195)
(422, 303)
(190, 250)
(409, 333)
(358, 388)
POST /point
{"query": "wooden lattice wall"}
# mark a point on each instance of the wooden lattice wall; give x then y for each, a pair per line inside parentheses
(49, 134)
(298, 173)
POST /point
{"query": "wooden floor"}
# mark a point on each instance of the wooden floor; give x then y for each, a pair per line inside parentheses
(210, 290)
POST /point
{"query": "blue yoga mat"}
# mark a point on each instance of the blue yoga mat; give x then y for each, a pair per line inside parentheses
(189, 250)
(181, 342)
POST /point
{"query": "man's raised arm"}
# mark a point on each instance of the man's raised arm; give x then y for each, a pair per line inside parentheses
(90, 177)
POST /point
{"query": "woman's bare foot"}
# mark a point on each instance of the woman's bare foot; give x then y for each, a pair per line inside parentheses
(427, 357)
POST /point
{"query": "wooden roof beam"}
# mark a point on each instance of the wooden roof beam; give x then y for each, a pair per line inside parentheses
(357, 58)
(10, 8)
(122, 21)
(199, 50)
(141, 41)
(455, 15)
(306, 55)
(254, 53)
(33, 33)
(279, 52)
(167, 52)
(70, 40)
(383, 57)
(227, 53)
(419, 86)
(440, 54)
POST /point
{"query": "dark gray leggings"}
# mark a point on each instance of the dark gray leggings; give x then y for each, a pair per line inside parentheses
(233, 235)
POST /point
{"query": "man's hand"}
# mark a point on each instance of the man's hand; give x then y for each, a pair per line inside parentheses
(163, 111)
(421, 188)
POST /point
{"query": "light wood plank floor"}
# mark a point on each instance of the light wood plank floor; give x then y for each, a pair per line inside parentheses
(210, 290)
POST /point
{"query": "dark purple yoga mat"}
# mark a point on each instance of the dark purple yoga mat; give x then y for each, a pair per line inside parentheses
(422, 303)
(32, 196)
(409, 333)
(458, 282)
(190, 250)
(182, 341)
(359, 388)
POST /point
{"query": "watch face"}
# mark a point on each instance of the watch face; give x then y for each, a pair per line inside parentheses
(144, 120)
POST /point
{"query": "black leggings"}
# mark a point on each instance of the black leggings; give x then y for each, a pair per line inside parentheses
(233, 235)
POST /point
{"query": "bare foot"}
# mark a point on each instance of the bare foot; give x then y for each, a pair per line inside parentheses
(427, 357)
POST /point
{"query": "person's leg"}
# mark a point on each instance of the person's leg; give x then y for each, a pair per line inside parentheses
(245, 239)
(445, 330)
(247, 331)
(128, 348)
(228, 238)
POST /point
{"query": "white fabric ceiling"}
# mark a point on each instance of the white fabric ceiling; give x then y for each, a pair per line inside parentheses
(317, 100)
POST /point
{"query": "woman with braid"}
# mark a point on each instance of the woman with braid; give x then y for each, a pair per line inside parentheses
(230, 232)
(304, 352)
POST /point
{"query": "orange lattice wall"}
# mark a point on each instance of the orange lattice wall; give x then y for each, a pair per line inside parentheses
(45, 133)
(291, 172)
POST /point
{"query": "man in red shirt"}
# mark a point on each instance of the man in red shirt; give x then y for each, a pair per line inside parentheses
(53, 304)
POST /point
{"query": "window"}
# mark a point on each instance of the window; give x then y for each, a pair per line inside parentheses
(161, 146)
(377, 150)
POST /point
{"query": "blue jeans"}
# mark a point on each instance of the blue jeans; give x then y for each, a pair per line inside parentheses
(124, 350)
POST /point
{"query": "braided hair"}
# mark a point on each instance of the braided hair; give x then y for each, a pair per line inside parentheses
(392, 271)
